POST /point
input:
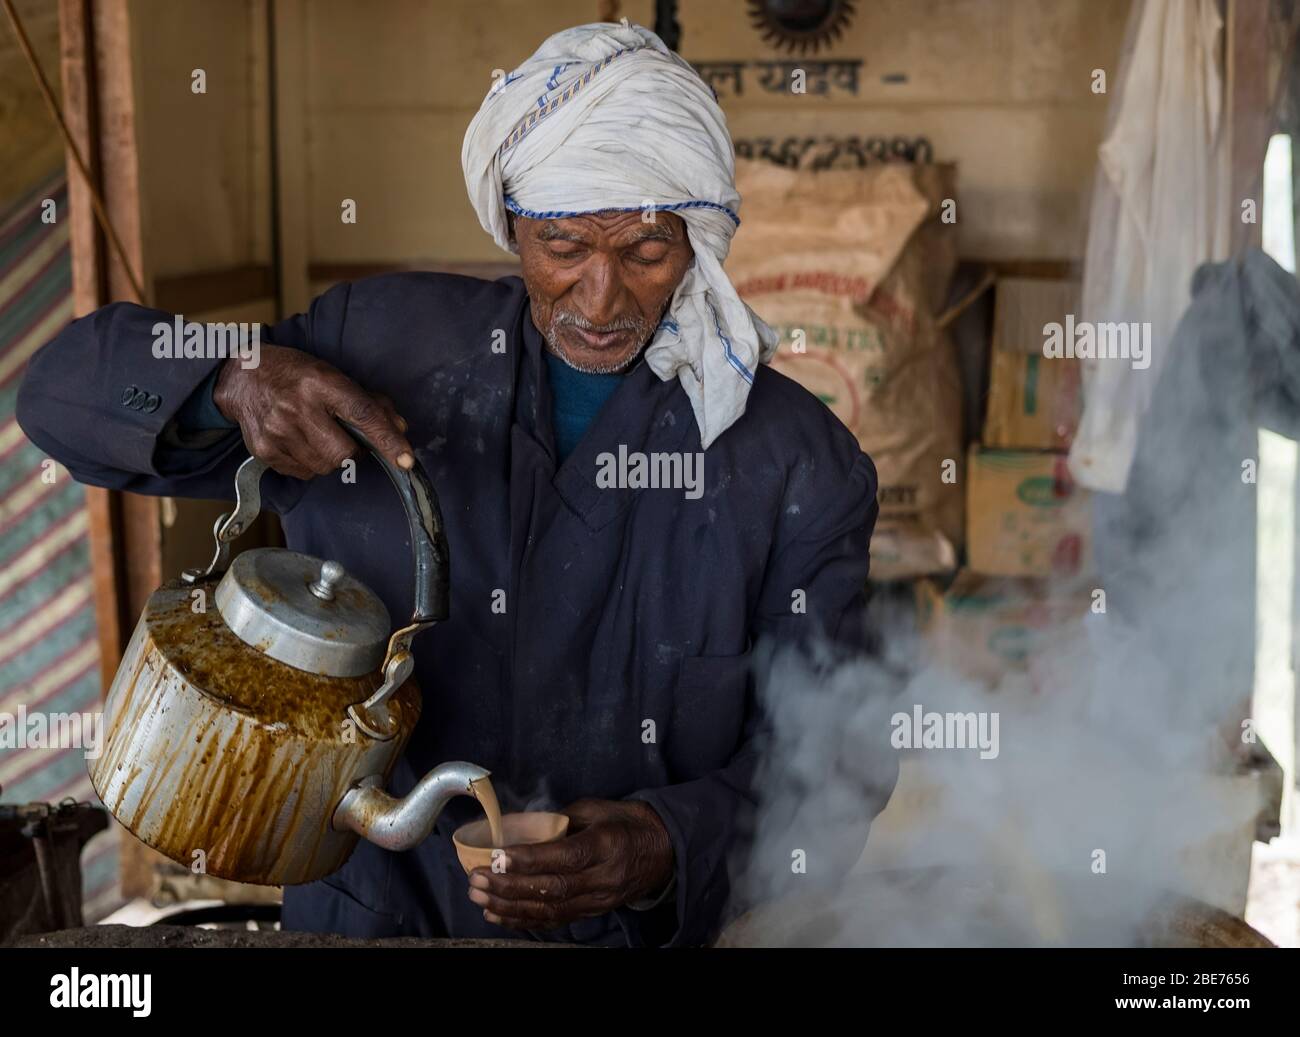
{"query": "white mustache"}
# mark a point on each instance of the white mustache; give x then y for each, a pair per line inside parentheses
(577, 320)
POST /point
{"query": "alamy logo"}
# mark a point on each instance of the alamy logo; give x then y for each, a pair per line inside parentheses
(1107, 341)
(25, 730)
(638, 471)
(190, 340)
(921, 730)
(93, 990)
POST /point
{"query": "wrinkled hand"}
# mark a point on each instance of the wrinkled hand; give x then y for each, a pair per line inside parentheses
(286, 409)
(615, 852)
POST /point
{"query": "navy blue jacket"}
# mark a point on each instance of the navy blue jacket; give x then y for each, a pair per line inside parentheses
(621, 605)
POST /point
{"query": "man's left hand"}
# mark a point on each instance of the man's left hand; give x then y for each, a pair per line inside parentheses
(616, 851)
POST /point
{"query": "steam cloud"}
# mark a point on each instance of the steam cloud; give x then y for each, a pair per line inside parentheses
(1122, 738)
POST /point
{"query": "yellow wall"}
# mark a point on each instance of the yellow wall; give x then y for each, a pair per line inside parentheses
(390, 90)
(1001, 86)
(377, 97)
(204, 159)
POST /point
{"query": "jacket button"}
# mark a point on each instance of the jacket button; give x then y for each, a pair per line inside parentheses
(128, 394)
(151, 403)
(137, 401)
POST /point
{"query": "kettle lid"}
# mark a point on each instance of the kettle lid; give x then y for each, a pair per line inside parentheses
(306, 613)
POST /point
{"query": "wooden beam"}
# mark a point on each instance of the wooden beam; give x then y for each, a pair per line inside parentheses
(214, 289)
(77, 67)
(89, 289)
(99, 108)
(1047, 269)
(218, 289)
(117, 165)
(355, 270)
(288, 113)
(100, 111)
(1249, 111)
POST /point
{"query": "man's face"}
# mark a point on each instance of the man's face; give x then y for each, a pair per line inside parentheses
(600, 284)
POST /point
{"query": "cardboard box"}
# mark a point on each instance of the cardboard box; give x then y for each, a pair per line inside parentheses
(985, 628)
(1025, 516)
(1034, 401)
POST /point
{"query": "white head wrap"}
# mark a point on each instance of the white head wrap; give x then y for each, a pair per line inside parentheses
(605, 116)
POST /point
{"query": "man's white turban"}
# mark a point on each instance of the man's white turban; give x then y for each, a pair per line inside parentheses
(606, 117)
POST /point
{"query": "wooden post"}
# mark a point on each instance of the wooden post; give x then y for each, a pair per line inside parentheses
(98, 105)
(1249, 114)
(289, 152)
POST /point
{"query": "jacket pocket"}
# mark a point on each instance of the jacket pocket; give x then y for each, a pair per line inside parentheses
(710, 703)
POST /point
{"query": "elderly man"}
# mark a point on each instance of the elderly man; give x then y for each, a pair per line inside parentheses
(599, 654)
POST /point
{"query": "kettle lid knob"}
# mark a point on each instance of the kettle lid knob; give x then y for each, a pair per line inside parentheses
(330, 574)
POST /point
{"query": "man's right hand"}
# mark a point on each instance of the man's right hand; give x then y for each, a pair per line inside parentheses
(286, 409)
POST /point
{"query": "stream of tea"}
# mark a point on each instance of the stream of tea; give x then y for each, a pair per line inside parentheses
(487, 797)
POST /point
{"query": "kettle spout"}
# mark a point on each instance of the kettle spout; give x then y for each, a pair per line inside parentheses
(399, 824)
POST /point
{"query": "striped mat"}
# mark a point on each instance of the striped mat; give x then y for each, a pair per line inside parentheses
(49, 658)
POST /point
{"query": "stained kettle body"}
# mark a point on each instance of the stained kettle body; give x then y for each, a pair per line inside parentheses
(261, 705)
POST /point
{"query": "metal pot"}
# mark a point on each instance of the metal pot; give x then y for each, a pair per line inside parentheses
(253, 739)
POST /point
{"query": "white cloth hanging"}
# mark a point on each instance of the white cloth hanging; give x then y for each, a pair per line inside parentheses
(1159, 210)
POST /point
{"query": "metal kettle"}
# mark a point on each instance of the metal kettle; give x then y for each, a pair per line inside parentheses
(261, 705)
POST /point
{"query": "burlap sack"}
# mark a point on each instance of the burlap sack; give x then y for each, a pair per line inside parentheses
(851, 267)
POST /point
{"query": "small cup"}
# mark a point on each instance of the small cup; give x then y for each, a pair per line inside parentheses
(474, 841)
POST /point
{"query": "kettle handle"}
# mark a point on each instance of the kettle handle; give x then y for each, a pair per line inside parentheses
(432, 569)
(428, 546)
(428, 540)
